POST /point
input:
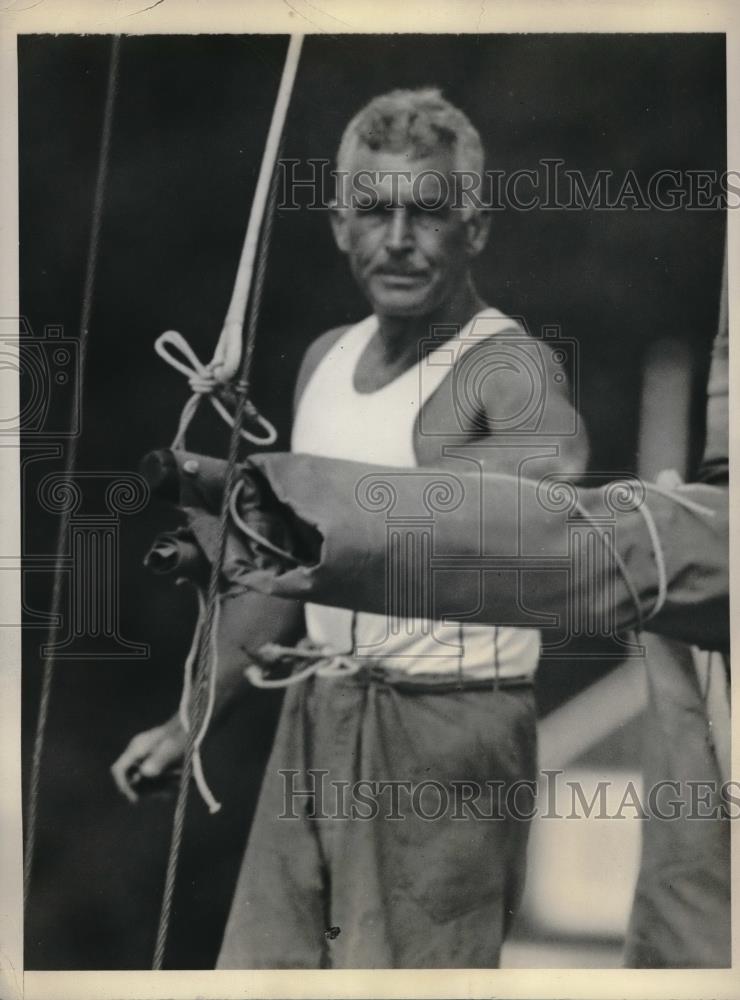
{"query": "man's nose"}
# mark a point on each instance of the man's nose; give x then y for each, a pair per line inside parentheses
(399, 236)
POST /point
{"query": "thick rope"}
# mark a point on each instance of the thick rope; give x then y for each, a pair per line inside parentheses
(69, 467)
(228, 351)
(204, 679)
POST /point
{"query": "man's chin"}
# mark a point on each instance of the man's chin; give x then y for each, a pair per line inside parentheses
(402, 304)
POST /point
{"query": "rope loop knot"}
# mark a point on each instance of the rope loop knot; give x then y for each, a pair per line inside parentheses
(203, 382)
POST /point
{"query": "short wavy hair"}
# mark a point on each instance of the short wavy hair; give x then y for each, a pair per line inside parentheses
(420, 122)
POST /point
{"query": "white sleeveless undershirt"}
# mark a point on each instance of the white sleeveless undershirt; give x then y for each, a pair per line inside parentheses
(333, 419)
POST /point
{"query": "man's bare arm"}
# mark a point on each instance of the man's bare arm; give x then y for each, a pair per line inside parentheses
(246, 622)
(521, 422)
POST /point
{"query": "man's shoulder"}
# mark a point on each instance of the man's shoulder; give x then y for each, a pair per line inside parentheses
(491, 322)
(494, 331)
(315, 351)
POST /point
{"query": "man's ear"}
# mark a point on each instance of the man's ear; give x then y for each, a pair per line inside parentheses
(338, 219)
(478, 228)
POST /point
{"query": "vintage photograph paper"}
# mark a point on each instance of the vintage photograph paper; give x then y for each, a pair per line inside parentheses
(367, 463)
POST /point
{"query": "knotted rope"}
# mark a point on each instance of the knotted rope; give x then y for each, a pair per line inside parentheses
(202, 670)
(256, 536)
(642, 507)
(320, 661)
(189, 724)
(203, 383)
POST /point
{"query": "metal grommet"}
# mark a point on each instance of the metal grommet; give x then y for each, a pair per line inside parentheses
(191, 466)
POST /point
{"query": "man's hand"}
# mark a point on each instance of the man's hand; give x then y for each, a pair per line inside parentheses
(152, 760)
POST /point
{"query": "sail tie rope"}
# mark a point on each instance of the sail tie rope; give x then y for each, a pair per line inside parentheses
(204, 383)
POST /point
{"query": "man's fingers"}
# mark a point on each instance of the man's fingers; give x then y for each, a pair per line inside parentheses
(163, 785)
(163, 756)
(126, 770)
(123, 771)
(151, 762)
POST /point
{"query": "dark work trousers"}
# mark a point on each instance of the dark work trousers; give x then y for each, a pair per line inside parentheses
(329, 885)
(681, 912)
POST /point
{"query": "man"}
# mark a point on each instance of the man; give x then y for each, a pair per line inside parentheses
(427, 702)
(656, 556)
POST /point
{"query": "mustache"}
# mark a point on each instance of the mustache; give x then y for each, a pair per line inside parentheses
(397, 271)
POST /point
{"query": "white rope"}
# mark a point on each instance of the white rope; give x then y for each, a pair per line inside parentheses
(660, 564)
(198, 776)
(251, 533)
(187, 682)
(659, 559)
(693, 507)
(203, 383)
(226, 359)
(257, 678)
(673, 494)
(326, 663)
(185, 700)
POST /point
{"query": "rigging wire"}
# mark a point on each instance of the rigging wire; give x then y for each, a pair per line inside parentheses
(203, 679)
(47, 651)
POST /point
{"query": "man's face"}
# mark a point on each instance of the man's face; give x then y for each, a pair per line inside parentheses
(409, 250)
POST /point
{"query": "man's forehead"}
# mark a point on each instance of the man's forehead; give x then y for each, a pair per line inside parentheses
(402, 173)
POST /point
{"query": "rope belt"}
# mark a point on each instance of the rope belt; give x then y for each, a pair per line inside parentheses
(307, 660)
(304, 660)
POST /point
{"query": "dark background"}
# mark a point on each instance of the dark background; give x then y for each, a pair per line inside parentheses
(190, 123)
